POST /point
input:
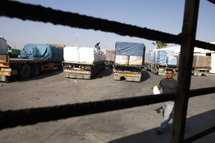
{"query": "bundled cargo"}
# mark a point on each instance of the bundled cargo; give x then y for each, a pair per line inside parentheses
(129, 61)
(128, 53)
(83, 62)
(87, 55)
(164, 57)
(201, 61)
(30, 61)
(160, 59)
(110, 55)
(42, 52)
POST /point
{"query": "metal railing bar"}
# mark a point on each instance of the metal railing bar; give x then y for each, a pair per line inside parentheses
(199, 135)
(23, 11)
(12, 118)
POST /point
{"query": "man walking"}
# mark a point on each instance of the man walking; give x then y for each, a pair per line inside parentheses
(168, 86)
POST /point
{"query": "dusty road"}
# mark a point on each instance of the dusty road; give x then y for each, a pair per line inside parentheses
(136, 125)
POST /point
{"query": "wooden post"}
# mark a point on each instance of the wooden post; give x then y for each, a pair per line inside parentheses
(185, 67)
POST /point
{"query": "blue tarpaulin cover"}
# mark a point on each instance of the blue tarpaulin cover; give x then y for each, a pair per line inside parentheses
(130, 49)
(42, 52)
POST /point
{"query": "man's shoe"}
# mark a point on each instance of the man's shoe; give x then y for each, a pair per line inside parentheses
(159, 132)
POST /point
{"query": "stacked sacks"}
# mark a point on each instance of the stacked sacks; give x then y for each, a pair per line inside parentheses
(42, 52)
(85, 55)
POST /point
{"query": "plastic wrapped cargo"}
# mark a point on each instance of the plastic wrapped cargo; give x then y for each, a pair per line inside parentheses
(83, 55)
(3, 46)
(71, 54)
(164, 57)
(160, 57)
(42, 52)
(171, 58)
(90, 55)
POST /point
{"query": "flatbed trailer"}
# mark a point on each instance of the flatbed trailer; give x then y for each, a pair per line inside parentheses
(24, 68)
(81, 70)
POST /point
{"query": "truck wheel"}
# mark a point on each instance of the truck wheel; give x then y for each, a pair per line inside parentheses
(60, 67)
(35, 70)
(25, 71)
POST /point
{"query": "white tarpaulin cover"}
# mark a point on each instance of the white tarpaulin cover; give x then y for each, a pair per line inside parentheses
(83, 54)
(212, 63)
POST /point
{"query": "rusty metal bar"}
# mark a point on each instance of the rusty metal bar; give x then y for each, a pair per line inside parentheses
(201, 91)
(23, 11)
(12, 118)
(185, 67)
(212, 1)
(187, 40)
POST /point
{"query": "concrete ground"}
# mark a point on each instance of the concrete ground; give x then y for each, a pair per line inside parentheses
(135, 125)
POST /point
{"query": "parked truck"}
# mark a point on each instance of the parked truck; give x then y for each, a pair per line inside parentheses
(83, 62)
(33, 59)
(110, 57)
(129, 61)
(160, 59)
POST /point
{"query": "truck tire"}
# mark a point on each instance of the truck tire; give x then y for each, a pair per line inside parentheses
(25, 71)
(35, 70)
(60, 67)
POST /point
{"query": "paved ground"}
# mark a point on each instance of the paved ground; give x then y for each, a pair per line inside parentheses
(136, 125)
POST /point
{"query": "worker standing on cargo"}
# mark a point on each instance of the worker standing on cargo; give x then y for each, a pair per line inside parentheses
(169, 86)
(97, 46)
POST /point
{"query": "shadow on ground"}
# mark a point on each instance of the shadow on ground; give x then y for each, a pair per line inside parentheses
(106, 72)
(194, 125)
(42, 75)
